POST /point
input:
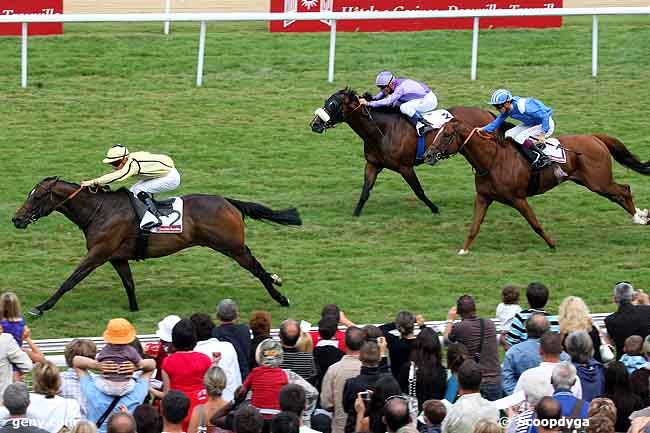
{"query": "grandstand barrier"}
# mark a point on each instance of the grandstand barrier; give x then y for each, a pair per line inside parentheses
(332, 17)
(53, 348)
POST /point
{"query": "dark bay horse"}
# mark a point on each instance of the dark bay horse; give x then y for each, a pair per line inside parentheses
(110, 226)
(502, 174)
(389, 140)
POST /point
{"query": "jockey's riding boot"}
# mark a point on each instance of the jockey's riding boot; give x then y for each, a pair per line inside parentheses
(151, 207)
(538, 160)
(426, 126)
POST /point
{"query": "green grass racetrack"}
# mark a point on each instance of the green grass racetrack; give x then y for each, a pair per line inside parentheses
(245, 135)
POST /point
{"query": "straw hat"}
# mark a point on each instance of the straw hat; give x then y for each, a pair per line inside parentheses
(119, 331)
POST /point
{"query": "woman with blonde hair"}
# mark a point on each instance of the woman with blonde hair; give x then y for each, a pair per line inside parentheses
(305, 343)
(485, 425)
(84, 427)
(215, 382)
(53, 411)
(574, 316)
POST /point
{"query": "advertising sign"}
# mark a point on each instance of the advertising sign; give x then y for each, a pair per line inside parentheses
(307, 6)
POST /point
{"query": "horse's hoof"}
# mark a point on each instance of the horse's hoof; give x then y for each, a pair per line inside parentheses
(284, 301)
(276, 279)
(463, 252)
(36, 312)
(435, 209)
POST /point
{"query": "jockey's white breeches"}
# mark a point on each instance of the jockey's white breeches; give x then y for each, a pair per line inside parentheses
(168, 182)
(521, 132)
(422, 105)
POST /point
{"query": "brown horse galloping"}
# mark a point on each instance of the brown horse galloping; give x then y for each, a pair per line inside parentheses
(389, 139)
(110, 227)
(502, 173)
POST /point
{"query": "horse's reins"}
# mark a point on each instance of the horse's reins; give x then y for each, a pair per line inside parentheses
(367, 111)
(70, 197)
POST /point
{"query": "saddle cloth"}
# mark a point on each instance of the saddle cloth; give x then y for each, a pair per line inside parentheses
(437, 118)
(172, 219)
(171, 209)
(554, 150)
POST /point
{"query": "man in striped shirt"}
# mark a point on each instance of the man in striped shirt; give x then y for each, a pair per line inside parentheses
(537, 295)
(157, 173)
(301, 363)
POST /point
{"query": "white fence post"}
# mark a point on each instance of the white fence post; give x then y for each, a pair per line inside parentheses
(199, 66)
(475, 49)
(168, 9)
(594, 47)
(23, 57)
(330, 70)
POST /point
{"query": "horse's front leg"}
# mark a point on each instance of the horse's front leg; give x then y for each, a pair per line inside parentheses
(95, 258)
(408, 173)
(370, 176)
(481, 205)
(526, 211)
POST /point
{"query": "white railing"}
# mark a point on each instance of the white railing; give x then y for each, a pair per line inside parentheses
(53, 348)
(332, 17)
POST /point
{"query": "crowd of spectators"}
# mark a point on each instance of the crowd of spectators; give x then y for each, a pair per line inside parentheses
(538, 373)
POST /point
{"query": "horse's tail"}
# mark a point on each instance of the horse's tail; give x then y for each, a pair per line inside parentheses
(624, 156)
(289, 216)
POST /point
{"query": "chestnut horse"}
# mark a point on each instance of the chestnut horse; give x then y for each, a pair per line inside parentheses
(110, 226)
(504, 175)
(389, 139)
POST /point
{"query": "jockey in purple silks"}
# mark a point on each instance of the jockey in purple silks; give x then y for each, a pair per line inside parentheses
(412, 97)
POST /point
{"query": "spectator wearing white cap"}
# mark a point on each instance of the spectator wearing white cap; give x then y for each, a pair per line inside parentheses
(160, 350)
(629, 319)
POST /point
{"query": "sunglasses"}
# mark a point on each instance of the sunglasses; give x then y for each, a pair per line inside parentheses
(499, 106)
(395, 397)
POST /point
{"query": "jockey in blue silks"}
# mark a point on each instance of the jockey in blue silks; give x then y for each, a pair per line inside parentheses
(537, 124)
(412, 97)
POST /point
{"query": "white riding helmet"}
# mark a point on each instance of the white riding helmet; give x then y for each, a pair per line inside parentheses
(116, 153)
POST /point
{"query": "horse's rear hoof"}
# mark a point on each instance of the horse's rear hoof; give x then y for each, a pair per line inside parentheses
(276, 279)
(463, 252)
(36, 312)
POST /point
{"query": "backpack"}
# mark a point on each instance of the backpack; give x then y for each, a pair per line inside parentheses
(574, 423)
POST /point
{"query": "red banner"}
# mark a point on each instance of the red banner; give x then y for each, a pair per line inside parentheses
(307, 6)
(47, 7)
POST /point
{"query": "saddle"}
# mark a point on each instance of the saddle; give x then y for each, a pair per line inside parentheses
(163, 206)
(142, 240)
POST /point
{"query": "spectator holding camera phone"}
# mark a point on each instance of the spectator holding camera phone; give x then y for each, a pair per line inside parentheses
(479, 336)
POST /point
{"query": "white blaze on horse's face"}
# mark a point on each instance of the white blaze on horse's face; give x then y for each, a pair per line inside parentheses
(322, 114)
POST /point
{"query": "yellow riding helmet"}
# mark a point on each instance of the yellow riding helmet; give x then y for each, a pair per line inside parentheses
(115, 153)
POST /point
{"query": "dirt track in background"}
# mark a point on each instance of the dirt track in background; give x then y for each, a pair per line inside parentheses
(132, 6)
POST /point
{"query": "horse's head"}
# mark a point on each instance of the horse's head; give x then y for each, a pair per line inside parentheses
(41, 201)
(446, 142)
(335, 110)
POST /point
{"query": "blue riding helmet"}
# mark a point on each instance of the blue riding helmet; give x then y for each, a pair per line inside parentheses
(500, 96)
(384, 78)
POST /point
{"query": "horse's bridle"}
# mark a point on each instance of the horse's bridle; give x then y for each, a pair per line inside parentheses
(37, 213)
(442, 154)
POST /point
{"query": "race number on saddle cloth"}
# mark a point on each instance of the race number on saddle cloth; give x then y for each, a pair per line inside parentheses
(157, 173)
(412, 97)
